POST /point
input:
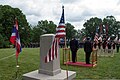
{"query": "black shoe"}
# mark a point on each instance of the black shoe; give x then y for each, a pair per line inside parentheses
(87, 63)
(73, 61)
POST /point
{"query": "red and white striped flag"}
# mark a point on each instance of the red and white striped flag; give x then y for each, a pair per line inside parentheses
(96, 38)
(52, 53)
(60, 32)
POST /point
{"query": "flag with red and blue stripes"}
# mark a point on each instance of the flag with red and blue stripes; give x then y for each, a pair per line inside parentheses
(15, 38)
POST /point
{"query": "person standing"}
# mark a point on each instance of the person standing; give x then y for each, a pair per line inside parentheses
(88, 50)
(74, 48)
(117, 46)
(104, 45)
(109, 44)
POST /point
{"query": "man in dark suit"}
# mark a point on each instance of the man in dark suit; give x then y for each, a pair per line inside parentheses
(109, 45)
(117, 47)
(74, 48)
(88, 50)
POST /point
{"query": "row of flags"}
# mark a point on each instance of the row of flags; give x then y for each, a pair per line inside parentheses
(102, 29)
(53, 51)
(98, 35)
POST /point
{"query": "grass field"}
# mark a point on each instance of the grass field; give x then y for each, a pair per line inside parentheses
(107, 67)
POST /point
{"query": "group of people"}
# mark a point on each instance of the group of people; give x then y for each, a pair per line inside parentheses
(107, 45)
(87, 48)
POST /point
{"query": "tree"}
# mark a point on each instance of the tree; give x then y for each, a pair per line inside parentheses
(112, 24)
(43, 27)
(1, 41)
(116, 29)
(70, 31)
(7, 17)
(91, 25)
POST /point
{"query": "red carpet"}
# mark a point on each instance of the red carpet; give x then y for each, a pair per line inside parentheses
(80, 64)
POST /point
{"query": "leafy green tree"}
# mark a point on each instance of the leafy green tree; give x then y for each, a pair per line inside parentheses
(116, 28)
(91, 25)
(112, 24)
(1, 41)
(48, 27)
(7, 16)
(70, 31)
(43, 27)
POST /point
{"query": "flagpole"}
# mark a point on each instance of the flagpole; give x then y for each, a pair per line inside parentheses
(16, 77)
(65, 50)
(15, 40)
(66, 58)
(17, 66)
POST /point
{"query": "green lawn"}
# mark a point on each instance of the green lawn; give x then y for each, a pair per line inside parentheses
(107, 68)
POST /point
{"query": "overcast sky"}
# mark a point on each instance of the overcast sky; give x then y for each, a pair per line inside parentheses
(76, 11)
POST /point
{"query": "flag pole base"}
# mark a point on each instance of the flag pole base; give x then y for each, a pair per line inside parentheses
(17, 66)
(34, 75)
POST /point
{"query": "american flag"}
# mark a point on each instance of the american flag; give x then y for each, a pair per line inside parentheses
(96, 35)
(96, 38)
(52, 53)
(60, 32)
(15, 39)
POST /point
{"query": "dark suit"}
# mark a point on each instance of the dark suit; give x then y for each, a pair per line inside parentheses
(117, 47)
(88, 50)
(74, 48)
(109, 45)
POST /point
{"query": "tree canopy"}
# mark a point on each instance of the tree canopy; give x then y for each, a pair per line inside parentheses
(28, 33)
(92, 24)
(43, 27)
(7, 16)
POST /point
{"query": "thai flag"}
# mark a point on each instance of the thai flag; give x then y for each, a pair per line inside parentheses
(60, 32)
(15, 39)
